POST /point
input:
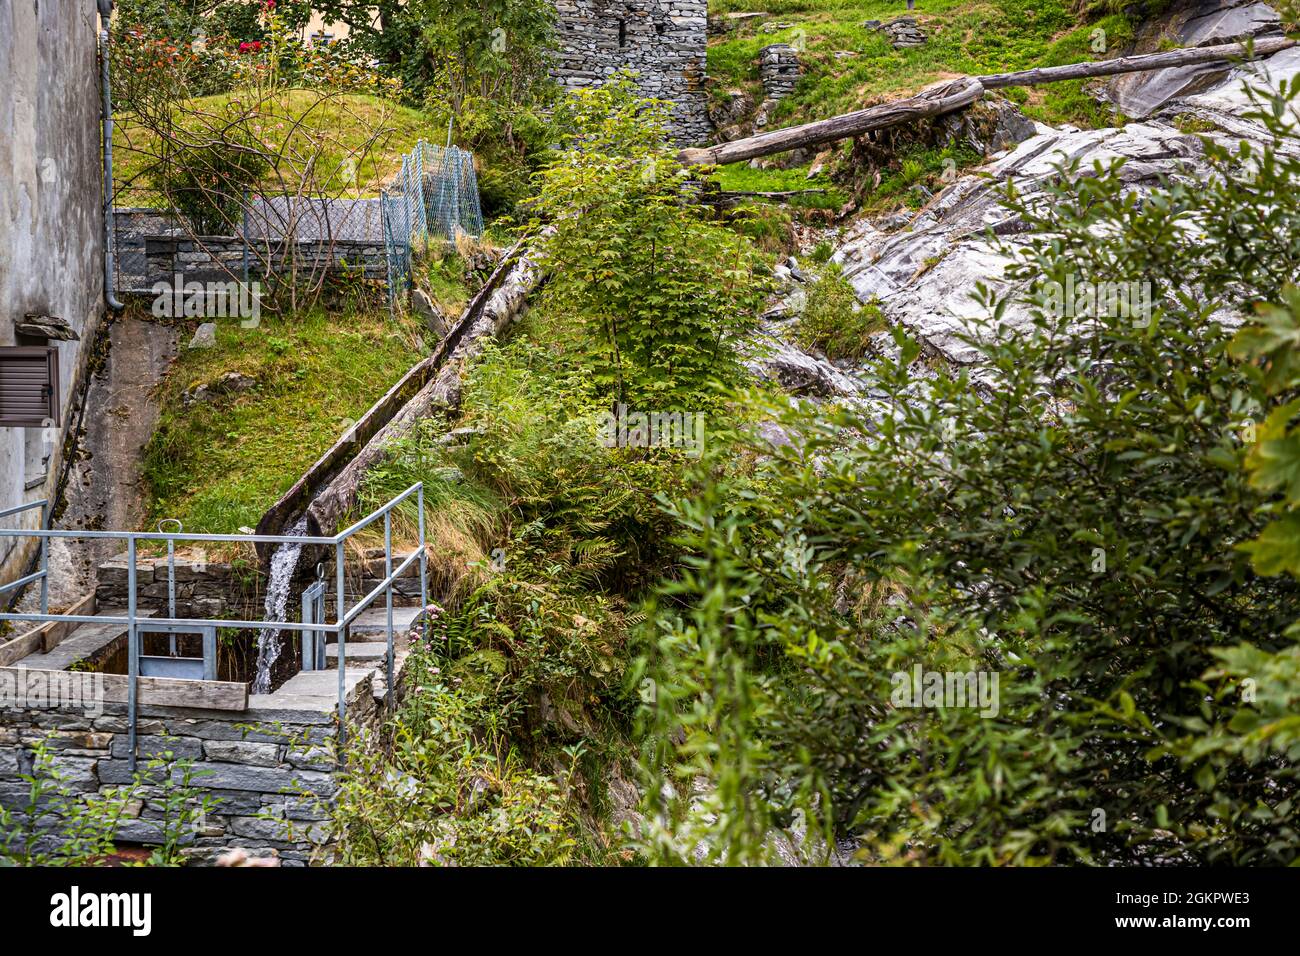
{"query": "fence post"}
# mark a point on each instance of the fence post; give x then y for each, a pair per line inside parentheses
(388, 601)
(340, 607)
(132, 657)
(424, 571)
(244, 237)
(45, 559)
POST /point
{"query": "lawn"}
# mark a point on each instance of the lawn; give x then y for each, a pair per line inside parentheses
(219, 465)
(355, 141)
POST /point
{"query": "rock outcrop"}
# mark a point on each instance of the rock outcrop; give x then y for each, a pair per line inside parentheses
(922, 268)
(1191, 23)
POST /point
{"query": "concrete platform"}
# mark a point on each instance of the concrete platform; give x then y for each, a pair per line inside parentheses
(311, 690)
(83, 643)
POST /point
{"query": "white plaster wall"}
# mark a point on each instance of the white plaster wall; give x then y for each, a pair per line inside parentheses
(51, 219)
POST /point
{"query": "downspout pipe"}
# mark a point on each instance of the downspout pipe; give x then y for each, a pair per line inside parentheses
(105, 13)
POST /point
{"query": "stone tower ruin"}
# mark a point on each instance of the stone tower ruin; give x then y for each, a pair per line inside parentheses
(662, 40)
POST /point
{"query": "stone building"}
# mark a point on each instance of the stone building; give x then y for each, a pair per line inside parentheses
(661, 40)
(51, 237)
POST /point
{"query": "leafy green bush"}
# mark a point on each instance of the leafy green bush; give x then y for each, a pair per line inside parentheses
(664, 293)
(206, 181)
(1094, 524)
(440, 787)
(834, 322)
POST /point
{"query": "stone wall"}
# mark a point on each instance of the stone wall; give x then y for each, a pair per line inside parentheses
(662, 40)
(215, 589)
(778, 69)
(270, 769)
(221, 258)
(51, 224)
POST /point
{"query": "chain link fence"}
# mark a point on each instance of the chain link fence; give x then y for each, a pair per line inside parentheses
(434, 197)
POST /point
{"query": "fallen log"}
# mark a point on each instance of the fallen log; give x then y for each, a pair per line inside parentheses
(958, 94)
(728, 195)
(441, 393)
(935, 101)
(1133, 64)
(294, 502)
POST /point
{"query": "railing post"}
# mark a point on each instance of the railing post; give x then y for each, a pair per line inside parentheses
(388, 600)
(340, 607)
(45, 559)
(132, 656)
(424, 573)
(171, 592)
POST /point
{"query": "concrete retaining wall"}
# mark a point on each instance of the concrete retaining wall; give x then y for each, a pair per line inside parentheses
(51, 222)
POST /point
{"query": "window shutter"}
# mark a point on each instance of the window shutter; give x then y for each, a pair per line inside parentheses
(29, 386)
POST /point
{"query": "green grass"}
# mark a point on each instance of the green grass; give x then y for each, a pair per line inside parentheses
(739, 177)
(966, 37)
(332, 131)
(219, 465)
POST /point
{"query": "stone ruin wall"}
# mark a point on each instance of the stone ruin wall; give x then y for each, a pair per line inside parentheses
(661, 40)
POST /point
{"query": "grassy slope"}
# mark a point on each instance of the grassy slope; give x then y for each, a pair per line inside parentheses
(333, 130)
(966, 37)
(219, 465)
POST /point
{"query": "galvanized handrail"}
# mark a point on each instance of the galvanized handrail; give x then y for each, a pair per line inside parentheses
(43, 575)
(344, 615)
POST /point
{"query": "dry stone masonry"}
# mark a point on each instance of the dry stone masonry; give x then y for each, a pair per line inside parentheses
(269, 770)
(902, 32)
(778, 69)
(661, 40)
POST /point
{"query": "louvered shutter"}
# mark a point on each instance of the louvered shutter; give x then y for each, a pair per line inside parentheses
(29, 386)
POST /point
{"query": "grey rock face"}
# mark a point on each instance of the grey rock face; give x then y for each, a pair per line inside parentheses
(1201, 23)
(923, 273)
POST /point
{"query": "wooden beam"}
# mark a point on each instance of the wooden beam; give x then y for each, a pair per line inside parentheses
(153, 691)
(304, 490)
(56, 631)
(21, 646)
(46, 637)
(934, 101)
(1133, 64)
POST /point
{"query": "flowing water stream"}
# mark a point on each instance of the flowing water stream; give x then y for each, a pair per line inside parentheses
(279, 581)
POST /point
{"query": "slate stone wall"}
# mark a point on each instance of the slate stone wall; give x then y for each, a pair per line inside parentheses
(270, 771)
(662, 40)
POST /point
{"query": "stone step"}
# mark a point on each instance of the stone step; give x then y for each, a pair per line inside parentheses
(311, 690)
(359, 653)
(371, 624)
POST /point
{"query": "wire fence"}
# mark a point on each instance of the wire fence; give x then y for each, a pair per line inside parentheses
(434, 197)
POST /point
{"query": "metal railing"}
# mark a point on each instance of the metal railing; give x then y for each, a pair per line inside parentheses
(43, 574)
(345, 615)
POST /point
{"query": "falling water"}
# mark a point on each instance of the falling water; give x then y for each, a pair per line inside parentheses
(283, 563)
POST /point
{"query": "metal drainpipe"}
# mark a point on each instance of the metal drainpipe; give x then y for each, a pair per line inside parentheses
(106, 12)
